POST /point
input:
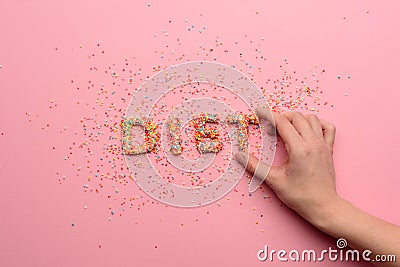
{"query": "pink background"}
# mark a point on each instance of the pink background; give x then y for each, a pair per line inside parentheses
(40, 120)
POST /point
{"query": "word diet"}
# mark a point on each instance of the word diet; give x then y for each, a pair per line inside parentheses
(206, 139)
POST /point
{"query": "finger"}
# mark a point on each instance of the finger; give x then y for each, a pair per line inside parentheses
(300, 124)
(266, 114)
(329, 131)
(315, 124)
(285, 129)
(257, 168)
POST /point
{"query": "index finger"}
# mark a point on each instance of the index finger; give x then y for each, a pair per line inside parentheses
(329, 131)
(285, 129)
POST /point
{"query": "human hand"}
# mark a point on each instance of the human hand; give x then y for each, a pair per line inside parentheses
(306, 181)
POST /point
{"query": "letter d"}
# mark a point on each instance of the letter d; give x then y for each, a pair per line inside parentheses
(263, 251)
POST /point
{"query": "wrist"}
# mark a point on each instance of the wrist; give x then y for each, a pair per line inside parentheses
(328, 217)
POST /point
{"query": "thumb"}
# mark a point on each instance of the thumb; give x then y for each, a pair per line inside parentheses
(257, 168)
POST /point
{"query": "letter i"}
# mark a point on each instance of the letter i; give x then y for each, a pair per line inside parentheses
(174, 127)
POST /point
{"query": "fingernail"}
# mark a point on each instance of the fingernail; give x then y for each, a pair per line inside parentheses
(241, 158)
(271, 130)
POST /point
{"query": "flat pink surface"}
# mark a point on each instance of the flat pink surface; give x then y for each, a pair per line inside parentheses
(51, 212)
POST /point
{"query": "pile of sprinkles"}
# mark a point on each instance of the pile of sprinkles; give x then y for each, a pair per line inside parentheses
(174, 127)
(213, 145)
(150, 140)
(242, 121)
